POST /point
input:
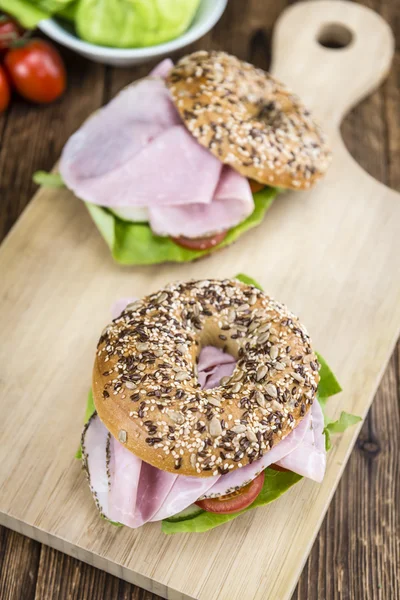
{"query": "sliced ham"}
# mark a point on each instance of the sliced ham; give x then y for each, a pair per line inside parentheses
(241, 477)
(162, 69)
(153, 490)
(309, 458)
(136, 152)
(125, 472)
(137, 158)
(232, 203)
(185, 491)
(113, 136)
(213, 365)
(95, 441)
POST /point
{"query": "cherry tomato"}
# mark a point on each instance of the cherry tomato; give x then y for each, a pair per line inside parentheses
(236, 501)
(37, 71)
(10, 31)
(4, 90)
(255, 186)
(203, 243)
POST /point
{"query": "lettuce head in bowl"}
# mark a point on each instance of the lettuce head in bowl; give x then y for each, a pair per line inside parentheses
(119, 32)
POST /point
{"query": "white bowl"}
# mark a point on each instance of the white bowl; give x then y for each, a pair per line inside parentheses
(209, 12)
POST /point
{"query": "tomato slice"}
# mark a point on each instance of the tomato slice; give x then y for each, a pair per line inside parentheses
(236, 501)
(204, 243)
(255, 186)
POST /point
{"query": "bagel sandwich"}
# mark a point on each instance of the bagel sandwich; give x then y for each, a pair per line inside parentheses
(207, 401)
(184, 161)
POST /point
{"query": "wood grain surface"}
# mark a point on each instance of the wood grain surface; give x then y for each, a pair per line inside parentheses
(357, 553)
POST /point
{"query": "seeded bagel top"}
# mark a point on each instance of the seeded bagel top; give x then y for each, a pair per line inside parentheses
(249, 120)
(145, 376)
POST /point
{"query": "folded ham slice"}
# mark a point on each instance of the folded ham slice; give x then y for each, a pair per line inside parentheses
(136, 157)
(95, 443)
(132, 492)
(309, 459)
(231, 204)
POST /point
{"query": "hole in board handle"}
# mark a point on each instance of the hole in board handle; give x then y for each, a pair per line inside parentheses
(335, 36)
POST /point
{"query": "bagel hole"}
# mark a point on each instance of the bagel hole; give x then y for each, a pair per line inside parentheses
(335, 36)
(221, 364)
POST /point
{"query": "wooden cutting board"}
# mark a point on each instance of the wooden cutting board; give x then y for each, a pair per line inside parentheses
(333, 255)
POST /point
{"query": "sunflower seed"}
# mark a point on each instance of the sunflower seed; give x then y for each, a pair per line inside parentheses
(237, 375)
(122, 436)
(253, 325)
(224, 380)
(275, 405)
(280, 366)
(163, 296)
(133, 305)
(235, 388)
(251, 436)
(181, 376)
(193, 460)
(215, 427)
(239, 429)
(158, 353)
(196, 310)
(243, 307)
(271, 390)
(261, 372)
(231, 315)
(129, 385)
(264, 328)
(142, 346)
(253, 299)
(263, 338)
(273, 352)
(260, 398)
(176, 417)
(182, 348)
(298, 377)
(214, 401)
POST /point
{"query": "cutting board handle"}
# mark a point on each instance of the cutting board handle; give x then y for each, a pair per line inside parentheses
(331, 80)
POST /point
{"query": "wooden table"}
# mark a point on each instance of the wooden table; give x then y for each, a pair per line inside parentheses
(357, 552)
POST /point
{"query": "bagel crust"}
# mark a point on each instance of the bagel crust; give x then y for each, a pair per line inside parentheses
(248, 120)
(145, 377)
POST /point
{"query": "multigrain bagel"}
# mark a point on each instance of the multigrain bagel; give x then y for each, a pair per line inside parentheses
(146, 390)
(248, 120)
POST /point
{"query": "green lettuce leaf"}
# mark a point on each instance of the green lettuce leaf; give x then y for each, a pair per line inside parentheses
(30, 12)
(46, 179)
(133, 23)
(135, 243)
(90, 410)
(328, 385)
(276, 483)
(343, 422)
(248, 280)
